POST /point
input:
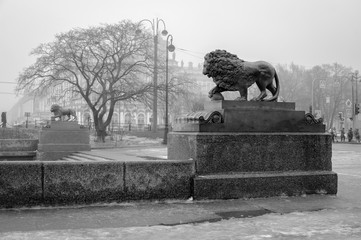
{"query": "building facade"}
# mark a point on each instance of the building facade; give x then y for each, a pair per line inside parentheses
(134, 115)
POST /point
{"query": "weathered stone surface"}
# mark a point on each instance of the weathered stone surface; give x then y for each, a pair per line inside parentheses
(63, 182)
(83, 182)
(20, 183)
(265, 184)
(246, 152)
(159, 179)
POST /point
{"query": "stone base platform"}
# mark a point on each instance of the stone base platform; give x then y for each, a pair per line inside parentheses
(264, 184)
(243, 116)
(252, 152)
(62, 138)
(254, 149)
(250, 165)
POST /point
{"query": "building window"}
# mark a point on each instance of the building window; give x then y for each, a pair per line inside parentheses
(141, 119)
(127, 118)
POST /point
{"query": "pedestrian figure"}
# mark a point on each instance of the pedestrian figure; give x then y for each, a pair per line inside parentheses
(333, 135)
(357, 135)
(350, 135)
(342, 134)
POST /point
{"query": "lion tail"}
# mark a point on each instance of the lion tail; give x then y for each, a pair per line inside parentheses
(275, 97)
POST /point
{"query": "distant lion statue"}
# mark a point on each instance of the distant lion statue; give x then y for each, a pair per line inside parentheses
(59, 112)
(230, 73)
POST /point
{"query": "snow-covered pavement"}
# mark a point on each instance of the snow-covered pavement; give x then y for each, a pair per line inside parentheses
(304, 217)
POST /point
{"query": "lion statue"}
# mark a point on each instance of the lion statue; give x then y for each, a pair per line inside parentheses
(230, 73)
(59, 112)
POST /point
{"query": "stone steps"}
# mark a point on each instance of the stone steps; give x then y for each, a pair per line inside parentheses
(76, 157)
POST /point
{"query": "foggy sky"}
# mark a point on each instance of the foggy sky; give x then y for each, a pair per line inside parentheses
(305, 32)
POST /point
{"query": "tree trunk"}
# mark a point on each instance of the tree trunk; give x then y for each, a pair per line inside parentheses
(101, 133)
(100, 128)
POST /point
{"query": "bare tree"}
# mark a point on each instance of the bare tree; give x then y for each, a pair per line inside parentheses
(292, 81)
(337, 86)
(103, 65)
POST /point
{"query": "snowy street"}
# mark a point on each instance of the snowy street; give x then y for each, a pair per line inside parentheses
(304, 217)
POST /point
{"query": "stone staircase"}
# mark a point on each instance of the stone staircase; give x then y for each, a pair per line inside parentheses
(83, 157)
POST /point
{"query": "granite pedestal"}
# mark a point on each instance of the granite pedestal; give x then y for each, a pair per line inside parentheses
(60, 139)
(254, 149)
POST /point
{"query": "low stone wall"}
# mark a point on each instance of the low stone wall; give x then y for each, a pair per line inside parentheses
(9, 145)
(19, 133)
(61, 182)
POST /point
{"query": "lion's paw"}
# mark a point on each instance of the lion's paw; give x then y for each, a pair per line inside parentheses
(217, 96)
(240, 99)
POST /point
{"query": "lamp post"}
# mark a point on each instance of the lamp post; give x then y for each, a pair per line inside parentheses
(169, 48)
(312, 96)
(354, 77)
(321, 85)
(155, 28)
(312, 106)
(353, 102)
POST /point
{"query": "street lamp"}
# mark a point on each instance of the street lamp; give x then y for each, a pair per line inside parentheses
(169, 48)
(155, 28)
(312, 97)
(356, 80)
(321, 85)
(354, 77)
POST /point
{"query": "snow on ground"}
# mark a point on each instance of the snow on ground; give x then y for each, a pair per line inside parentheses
(324, 224)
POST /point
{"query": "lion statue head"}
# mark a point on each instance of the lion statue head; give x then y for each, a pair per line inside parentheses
(219, 62)
(56, 109)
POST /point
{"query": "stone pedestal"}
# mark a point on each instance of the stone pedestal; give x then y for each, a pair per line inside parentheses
(60, 139)
(254, 149)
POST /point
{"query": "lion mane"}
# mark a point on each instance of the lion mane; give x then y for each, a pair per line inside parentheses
(59, 112)
(230, 73)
